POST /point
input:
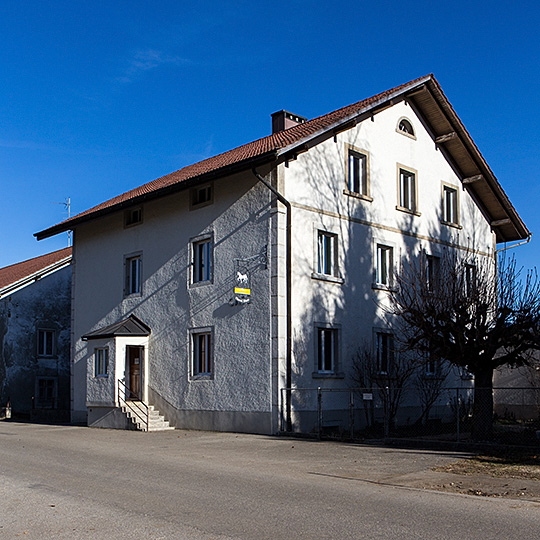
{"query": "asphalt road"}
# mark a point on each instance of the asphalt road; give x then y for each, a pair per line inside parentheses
(74, 482)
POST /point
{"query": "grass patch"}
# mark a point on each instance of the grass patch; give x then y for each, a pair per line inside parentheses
(508, 464)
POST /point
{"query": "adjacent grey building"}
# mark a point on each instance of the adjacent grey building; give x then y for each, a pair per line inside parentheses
(35, 317)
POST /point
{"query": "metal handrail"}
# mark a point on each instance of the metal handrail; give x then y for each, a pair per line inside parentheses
(139, 408)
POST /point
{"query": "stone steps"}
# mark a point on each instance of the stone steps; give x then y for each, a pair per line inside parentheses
(136, 412)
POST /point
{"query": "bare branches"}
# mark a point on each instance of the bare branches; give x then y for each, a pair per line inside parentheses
(470, 313)
(467, 310)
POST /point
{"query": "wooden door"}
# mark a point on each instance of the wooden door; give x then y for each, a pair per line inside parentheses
(134, 361)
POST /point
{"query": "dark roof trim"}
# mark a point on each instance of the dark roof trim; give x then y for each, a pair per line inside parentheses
(130, 327)
(234, 168)
(463, 135)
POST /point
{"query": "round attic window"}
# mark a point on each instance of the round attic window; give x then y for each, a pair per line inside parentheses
(405, 127)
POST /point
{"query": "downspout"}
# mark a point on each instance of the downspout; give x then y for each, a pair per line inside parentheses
(288, 265)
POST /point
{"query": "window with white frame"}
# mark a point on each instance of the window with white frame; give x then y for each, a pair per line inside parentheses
(407, 190)
(202, 260)
(326, 253)
(470, 278)
(101, 362)
(357, 173)
(327, 347)
(133, 266)
(450, 205)
(45, 342)
(433, 272)
(201, 343)
(384, 351)
(384, 265)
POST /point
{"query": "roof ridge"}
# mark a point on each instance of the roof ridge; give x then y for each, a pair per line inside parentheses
(250, 150)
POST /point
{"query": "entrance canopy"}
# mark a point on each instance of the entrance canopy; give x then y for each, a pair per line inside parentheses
(130, 327)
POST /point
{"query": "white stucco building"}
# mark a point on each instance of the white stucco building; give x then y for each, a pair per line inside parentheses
(209, 290)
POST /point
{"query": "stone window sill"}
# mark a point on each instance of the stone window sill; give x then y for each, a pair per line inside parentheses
(326, 277)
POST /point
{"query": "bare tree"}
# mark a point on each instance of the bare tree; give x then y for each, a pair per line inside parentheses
(389, 384)
(471, 313)
(429, 383)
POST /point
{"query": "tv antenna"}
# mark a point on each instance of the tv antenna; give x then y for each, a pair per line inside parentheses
(67, 208)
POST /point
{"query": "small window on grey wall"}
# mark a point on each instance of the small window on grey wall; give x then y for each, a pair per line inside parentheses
(133, 275)
(45, 346)
(201, 196)
(202, 261)
(202, 353)
(133, 216)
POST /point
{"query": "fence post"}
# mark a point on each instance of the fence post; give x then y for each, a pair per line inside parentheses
(281, 419)
(457, 412)
(386, 412)
(351, 414)
(319, 412)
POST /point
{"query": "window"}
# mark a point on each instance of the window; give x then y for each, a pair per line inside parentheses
(46, 392)
(357, 173)
(384, 265)
(385, 351)
(470, 278)
(133, 275)
(101, 362)
(407, 190)
(433, 271)
(326, 253)
(450, 205)
(202, 261)
(45, 342)
(133, 216)
(201, 353)
(405, 127)
(201, 196)
(326, 350)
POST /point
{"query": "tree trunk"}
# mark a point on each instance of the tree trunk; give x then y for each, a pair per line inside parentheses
(482, 427)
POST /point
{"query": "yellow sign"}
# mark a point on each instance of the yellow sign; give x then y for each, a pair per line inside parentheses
(240, 290)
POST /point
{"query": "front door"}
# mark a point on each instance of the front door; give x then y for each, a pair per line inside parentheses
(134, 371)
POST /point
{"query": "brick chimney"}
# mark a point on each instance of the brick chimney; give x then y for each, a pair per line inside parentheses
(282, 120)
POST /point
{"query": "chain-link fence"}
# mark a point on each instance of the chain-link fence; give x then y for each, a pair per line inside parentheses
(447, 415)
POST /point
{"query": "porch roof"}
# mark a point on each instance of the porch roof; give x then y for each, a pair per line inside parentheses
(132, 326)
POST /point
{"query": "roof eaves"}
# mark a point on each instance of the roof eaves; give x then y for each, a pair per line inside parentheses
(497, 189)
(35, 276)
(246, 164)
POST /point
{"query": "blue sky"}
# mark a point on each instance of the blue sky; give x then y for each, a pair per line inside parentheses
(99, 97)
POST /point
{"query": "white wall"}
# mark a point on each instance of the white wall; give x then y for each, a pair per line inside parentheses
(315, 183)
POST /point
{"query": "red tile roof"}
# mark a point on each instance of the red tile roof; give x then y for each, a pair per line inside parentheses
(292, 140)
(269, 145)
(16, 272)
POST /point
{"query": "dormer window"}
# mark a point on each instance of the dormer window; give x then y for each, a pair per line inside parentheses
(405, 128)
